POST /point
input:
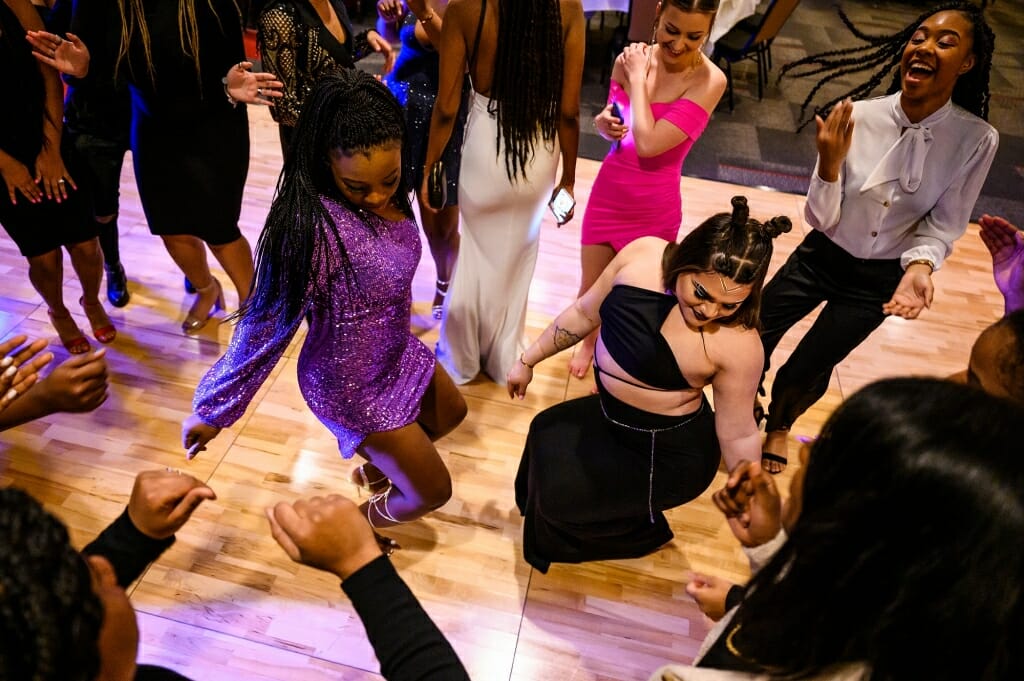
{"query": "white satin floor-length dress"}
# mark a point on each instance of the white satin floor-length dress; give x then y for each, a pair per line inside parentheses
(485, 310)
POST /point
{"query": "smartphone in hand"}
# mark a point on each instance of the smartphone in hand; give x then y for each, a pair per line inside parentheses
(617, 112)
(561, 205)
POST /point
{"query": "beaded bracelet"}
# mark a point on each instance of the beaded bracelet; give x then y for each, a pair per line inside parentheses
(427, 19)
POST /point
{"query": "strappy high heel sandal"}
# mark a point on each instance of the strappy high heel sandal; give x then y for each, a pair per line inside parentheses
(103, 329)
(378, 483)
(194, 322)
(442, 291)
(71, 337)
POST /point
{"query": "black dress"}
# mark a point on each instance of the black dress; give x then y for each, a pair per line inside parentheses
(297, 48)
(36, 228)
(190, 146)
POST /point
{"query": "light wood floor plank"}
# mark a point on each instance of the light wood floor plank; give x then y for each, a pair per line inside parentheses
(224, 602)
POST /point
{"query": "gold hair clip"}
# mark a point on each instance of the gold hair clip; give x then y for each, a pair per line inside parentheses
(726, 288)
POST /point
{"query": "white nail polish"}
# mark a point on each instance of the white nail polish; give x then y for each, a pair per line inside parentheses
(11, 394)
(6, 362)
(10, 372)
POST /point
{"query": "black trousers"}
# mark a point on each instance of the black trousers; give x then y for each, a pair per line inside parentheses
(853, 290)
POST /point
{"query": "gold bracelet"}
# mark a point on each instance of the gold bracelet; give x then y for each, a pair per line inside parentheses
(522, 360)
(426, 19)
(921, 261)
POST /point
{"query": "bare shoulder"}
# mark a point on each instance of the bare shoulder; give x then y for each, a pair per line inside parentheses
(710, 88)
(738, 349)
(641, 249)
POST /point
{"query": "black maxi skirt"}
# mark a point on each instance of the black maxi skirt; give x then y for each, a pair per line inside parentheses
(592, 485)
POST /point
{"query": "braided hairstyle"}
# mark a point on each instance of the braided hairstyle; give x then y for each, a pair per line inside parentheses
(50, 618)
(526, 93)
(133, 19)
(732, 245)
(882, 54)
(349, 110)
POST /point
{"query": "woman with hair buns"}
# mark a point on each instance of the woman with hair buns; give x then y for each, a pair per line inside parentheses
(894, 186)
(339, 251)
(598, 471)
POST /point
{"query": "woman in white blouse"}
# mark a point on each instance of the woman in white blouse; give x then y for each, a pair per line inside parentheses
(894, 185)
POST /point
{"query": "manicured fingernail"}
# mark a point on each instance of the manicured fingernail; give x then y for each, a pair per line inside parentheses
(11, 394)
(9, 373)
(806, 439)
(6, 361)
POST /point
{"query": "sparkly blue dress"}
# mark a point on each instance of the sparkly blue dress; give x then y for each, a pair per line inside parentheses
(361, 370)
(414, 82)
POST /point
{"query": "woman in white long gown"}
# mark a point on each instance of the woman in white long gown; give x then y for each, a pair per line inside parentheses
(525, 59)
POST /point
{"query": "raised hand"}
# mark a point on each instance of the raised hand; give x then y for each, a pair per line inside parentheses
(243, 85)
(914, 293)
(195, 435)
(751, 504)
(833, 139)
(163, 501)
(382, 46)
(69, 56)
(390, 11)
(1006, 245)
(634, 60)
(20, 366)
(327, 533)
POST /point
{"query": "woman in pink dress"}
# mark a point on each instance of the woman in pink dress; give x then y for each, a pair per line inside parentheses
(666, 92)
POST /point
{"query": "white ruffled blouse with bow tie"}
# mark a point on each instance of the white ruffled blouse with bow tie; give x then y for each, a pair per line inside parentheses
(905, 190)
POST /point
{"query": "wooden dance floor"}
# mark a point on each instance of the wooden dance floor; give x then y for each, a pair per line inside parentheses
(226, 603)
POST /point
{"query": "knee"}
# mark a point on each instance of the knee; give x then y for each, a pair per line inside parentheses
(85, 249)
(458, 413)
(45, 265)
(437, 492)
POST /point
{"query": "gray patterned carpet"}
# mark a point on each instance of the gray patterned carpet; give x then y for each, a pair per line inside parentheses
(756, 144)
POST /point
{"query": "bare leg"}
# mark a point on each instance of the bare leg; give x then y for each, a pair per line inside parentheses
(87, 259)
(593, 259)
(442, 409)
(420, 481)
(442, 231)
(236, 259)
(46, 272)
(189, 253)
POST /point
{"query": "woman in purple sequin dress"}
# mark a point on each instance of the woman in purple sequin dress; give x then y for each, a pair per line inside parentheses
(339, 250)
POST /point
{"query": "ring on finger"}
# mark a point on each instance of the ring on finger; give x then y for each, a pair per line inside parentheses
(259, 92)
(60, 181)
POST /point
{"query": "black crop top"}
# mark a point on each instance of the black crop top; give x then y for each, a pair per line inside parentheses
(631, 321)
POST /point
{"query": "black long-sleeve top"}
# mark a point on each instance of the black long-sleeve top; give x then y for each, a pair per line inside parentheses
(408, 644)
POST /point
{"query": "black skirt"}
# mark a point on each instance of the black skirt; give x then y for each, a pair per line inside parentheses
(592, 486)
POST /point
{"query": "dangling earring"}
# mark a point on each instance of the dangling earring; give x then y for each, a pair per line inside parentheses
(698, 56)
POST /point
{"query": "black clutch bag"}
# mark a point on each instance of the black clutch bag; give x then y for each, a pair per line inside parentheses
(437, 186)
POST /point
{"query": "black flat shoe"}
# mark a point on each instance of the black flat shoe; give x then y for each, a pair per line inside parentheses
(117, 286)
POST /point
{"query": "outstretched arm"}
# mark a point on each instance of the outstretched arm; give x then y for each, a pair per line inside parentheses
(330, 534)
(1006, 245)
(573, 324)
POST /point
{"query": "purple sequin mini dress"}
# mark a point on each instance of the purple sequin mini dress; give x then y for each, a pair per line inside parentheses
(361, 370)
